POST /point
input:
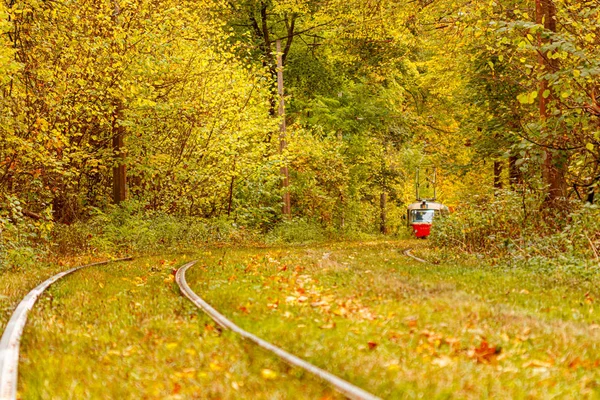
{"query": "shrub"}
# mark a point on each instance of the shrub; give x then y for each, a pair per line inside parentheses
(511, 226)
(131, 229)
(296, 231)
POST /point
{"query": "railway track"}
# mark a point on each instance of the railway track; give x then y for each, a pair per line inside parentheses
(408, 253)
(346, 388)
(11, 339)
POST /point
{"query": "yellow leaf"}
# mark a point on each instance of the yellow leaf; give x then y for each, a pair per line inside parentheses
(268, 374)
(442, 361)
(328, 326)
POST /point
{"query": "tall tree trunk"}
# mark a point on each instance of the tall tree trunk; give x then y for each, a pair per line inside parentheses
(231, 187)
(287, 208)
(553, 170)
(119, 171)
(118, 132)
(515, 175)
(383, 205)
(591, 190)
(498, 175)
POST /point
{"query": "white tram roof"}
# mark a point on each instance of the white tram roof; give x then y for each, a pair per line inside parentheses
(427, 205)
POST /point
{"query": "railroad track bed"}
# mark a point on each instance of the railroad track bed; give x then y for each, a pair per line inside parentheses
(364, 312)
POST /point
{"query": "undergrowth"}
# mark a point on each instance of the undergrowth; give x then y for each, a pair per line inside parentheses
(131, 229)
(515, 228)
(127, 229)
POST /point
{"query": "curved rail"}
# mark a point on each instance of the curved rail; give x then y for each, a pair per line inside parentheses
(346, 388)
(11, 339)
(408, 253)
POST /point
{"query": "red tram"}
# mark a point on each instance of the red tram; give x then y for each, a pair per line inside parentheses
(420, 216)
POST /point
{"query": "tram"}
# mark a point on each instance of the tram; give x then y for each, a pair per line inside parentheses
(420, 216)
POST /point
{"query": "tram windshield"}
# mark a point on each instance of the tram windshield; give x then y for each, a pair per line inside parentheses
(423, 216)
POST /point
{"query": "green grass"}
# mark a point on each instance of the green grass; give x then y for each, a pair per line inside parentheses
(16, 283)
(401, 329)
(122, 331)
(361, 310)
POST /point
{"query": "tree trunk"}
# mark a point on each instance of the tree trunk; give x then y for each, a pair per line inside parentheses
(119, 171)
(383, 205)
(591, 190)
(287, 208)
(515, 175)
(498, 175)
(553, 169)
(231, 187)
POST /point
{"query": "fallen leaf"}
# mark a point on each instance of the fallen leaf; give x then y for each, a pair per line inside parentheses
(393, 366)
(268, 374)
(484, 353)
(372, 345)
(442, 361)
(537, 364)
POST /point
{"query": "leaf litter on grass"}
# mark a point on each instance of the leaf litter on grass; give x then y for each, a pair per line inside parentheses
(367, 314)
(138, 338)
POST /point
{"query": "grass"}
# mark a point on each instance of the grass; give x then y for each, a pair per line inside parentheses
(361, 310)
(16, 283)
(122, 331)
(405, 330)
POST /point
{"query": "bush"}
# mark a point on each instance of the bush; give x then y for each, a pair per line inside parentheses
(296, 231)
(23, 241)
(511, 225)
(130, 229)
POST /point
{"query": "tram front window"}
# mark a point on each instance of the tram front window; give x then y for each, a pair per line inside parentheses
(423, 216)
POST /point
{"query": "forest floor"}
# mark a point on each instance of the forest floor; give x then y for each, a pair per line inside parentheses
(360, 310)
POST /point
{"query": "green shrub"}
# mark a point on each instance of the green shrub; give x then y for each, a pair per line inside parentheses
(131, 229)
(296, 231)
(23, 241)
(511, 226)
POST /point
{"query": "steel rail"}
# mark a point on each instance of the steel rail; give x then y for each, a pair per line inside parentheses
(408, 253)
(11, 339)
(344, 387)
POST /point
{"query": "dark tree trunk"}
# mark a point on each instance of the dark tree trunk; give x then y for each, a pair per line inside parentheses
(591, 190)
(515, 175)
(383, 205)
(498, 175)
(553, 170)
(119, 171)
